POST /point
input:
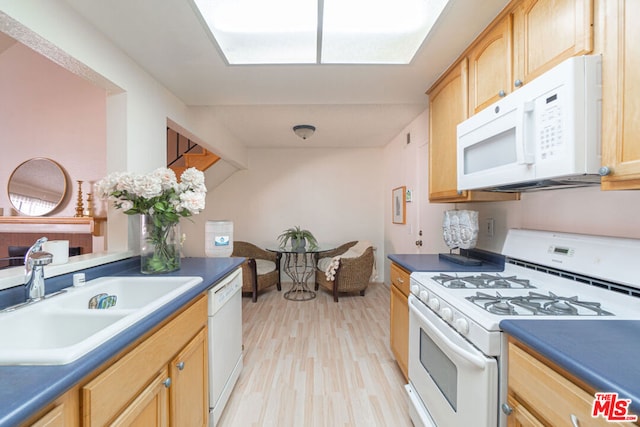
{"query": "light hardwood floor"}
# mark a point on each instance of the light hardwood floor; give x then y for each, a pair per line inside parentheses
(318, 363)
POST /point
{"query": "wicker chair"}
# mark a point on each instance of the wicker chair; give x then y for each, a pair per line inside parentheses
(352, 274)
(260, 271)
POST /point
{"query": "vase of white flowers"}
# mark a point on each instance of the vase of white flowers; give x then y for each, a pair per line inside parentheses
(160, 201)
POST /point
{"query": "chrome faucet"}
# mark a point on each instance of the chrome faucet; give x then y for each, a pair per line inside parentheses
(34, 262)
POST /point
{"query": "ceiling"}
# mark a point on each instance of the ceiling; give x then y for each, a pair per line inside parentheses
(350, 105)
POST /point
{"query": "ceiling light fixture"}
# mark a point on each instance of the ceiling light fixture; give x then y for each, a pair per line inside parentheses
(304, 131)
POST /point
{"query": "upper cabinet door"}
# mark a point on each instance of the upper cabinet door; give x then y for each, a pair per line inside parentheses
(546, 32)
(621, 95)
(490, 66)
(447, 108)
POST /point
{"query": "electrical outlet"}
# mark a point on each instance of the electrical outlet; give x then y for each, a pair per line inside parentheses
(489, 227)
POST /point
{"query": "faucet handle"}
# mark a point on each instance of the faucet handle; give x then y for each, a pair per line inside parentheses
(36, 247)
(40, 258)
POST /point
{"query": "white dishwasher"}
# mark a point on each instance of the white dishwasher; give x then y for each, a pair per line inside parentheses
(225, 341)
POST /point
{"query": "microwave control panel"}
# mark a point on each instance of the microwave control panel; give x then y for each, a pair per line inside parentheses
(550, 127)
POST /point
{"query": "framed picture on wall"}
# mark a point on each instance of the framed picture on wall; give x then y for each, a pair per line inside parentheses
(398, 207)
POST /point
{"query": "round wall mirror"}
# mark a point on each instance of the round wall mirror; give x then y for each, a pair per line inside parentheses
(37, 187)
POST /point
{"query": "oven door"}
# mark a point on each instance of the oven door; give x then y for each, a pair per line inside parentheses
(455, 383)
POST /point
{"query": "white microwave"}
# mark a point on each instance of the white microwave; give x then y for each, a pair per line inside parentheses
(544, 135)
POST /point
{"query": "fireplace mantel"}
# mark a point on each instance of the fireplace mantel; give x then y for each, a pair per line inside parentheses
(30, 224)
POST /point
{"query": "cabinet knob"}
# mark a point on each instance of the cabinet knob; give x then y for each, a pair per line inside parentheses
(167, 382)
(418, 242)
(180, 366)
(400, 280)
(574, 421)
(506, 408)
(604, 171)
(517, 83)
(502, 94)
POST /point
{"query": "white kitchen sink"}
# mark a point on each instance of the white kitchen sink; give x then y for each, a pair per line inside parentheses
(63, 328)
(132, 292)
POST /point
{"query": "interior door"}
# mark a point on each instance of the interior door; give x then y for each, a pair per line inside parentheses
(429, 215)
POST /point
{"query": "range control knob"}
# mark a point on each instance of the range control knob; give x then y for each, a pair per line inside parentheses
(424, 296)
(461, 326)
(434, 303)
(415, 289)
(447, 314)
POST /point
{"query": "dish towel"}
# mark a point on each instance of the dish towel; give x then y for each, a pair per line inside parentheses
(353, 252)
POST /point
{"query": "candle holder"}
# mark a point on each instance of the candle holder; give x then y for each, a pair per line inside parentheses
(89, 210)
(79, 203)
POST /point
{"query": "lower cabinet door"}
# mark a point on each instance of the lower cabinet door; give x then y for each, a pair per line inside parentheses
(150, 408)
(53, 418)
(399, 334)
(189, 395)
(520, 417)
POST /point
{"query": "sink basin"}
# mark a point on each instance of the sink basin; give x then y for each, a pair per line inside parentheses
(62, 329)
(132, 292)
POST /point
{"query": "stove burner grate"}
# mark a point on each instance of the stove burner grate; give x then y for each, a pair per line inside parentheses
(482, 281)
(537, 304)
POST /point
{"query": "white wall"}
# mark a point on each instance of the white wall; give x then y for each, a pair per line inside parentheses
(138, 107)
(337, 194)
(45, 111)
(582, 210)
(406, 164)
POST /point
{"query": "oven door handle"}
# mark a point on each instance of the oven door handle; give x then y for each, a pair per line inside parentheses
(471, 358)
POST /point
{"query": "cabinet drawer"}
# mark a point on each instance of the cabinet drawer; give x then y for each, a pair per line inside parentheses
(400, 278)
(552, 396)
(105, 396)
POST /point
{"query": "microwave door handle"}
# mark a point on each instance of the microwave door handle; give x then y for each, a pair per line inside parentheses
(524, 151)
(471, 358)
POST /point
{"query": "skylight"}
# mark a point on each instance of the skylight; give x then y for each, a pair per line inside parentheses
(319, 31)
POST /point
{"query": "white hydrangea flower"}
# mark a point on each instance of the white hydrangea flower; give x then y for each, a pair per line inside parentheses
(167, 178)
(137, 193)
(192, 201)
(192, 179)
(147, 186)
(125, 205)
(124, 182)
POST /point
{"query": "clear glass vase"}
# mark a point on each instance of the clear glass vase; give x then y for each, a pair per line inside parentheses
(159, 245)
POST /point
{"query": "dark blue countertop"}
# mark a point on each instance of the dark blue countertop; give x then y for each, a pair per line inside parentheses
(24, 390)
(432, 262)
(602, 353)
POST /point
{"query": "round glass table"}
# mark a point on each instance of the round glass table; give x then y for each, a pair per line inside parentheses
(299, 266)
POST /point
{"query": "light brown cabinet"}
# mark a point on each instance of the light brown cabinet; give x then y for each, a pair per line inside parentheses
(53, 418)
(520, 417)
(447, 108)
(134, 390)
(149, 408)
(160, 380)
(189, 392)
(399, 327)
(490, 65)
(546, 32)
(621, 95)
(539, 393)
(526, 39)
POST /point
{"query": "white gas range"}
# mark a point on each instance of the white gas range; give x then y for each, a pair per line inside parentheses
(457, 352)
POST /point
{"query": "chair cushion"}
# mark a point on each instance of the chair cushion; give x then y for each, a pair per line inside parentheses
(264, 266)
(323, 263)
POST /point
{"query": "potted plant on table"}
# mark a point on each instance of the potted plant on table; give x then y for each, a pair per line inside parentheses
(298, 239)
